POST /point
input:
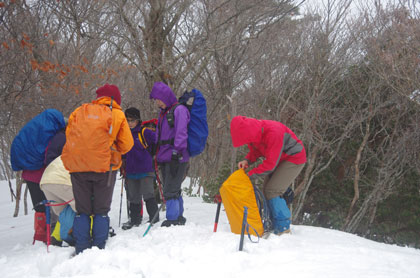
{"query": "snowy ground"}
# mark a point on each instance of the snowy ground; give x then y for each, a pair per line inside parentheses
(194, 250)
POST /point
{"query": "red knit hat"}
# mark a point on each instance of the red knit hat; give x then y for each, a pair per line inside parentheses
(109, 91)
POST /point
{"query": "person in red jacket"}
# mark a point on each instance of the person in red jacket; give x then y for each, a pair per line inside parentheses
(284, 158)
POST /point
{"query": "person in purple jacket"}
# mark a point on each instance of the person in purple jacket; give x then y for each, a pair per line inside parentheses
(139, 171)
(172, 155)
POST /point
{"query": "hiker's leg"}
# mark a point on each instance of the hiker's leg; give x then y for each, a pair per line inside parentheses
(83, 192)
(37, 196)
(102, 192)
(278, 182)
(148, 193)
(172, 190)
(100, 230)
(81, 232)
(280, 214)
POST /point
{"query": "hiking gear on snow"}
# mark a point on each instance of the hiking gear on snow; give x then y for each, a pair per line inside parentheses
(111, 134)
(165, 134)
(269, 139)
(100, 230)
(81, 232)
(172, 209)
(237, 192)
(244, 223)
(27, 151)
(197, 127)
(111, 91)
(40, 227)
(280, 214)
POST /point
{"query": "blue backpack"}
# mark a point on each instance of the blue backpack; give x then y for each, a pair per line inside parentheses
(198, 130)
(66, 219)
(28, 147)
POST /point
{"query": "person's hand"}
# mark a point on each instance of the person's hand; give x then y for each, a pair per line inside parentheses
(243, 164)
(217, 198)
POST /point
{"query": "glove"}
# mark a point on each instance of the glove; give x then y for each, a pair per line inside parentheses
(173, 165)
(217, 198)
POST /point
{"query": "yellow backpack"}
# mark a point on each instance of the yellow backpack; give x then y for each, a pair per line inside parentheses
(238, 192)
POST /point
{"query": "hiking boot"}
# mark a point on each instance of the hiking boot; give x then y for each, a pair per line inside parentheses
(56, 242)
(128, 225)
(168, 223)
(182, 220)
(282, 233)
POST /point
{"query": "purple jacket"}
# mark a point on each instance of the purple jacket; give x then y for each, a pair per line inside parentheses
(138, 159)
(163, 132)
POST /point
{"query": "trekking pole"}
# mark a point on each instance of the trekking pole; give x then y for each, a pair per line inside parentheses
(47, 216)
(241, 242)
(219, 205)
(122, 190)
(161, 205)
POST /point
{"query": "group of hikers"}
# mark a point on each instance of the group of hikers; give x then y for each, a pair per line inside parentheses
(81, 156)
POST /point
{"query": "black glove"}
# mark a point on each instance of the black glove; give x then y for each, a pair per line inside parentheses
(174, 164)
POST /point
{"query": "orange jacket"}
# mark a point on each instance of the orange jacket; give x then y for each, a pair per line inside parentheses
(121, 140)
(269, 139)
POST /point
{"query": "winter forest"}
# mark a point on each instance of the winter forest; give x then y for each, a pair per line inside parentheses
(344, 75)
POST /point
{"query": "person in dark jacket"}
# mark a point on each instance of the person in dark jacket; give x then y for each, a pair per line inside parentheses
(139, 172)
(284, 158)
(172, 153)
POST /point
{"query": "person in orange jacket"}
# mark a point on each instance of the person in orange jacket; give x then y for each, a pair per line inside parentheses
(284, 158)
(96, 138)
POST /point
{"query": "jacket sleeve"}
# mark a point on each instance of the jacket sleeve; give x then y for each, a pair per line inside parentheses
(124, 139)
(182, 118)
(272, 156)
(253, 154)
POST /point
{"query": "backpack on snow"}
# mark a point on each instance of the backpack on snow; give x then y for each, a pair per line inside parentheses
(66, 219)
(28, 147)
(198, 130)
(238, 192)
(88, 144)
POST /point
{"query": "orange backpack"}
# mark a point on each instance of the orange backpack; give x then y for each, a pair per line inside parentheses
(88, 139)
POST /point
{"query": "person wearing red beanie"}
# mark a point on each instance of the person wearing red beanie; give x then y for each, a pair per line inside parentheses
(108, 90)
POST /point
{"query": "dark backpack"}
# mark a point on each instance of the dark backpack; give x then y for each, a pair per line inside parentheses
(198, 130)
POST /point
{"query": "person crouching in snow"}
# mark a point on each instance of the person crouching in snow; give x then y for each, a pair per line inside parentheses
(173, 156)
(96, 136)
(284, 156)
(139, 171)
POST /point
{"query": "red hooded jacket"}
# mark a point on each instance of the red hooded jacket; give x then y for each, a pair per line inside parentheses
(269, 139)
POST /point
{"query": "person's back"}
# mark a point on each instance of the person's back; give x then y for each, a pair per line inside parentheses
(93, 170)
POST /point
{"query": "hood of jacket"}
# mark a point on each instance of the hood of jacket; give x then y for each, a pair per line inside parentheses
(245, 130)
(162, 92)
